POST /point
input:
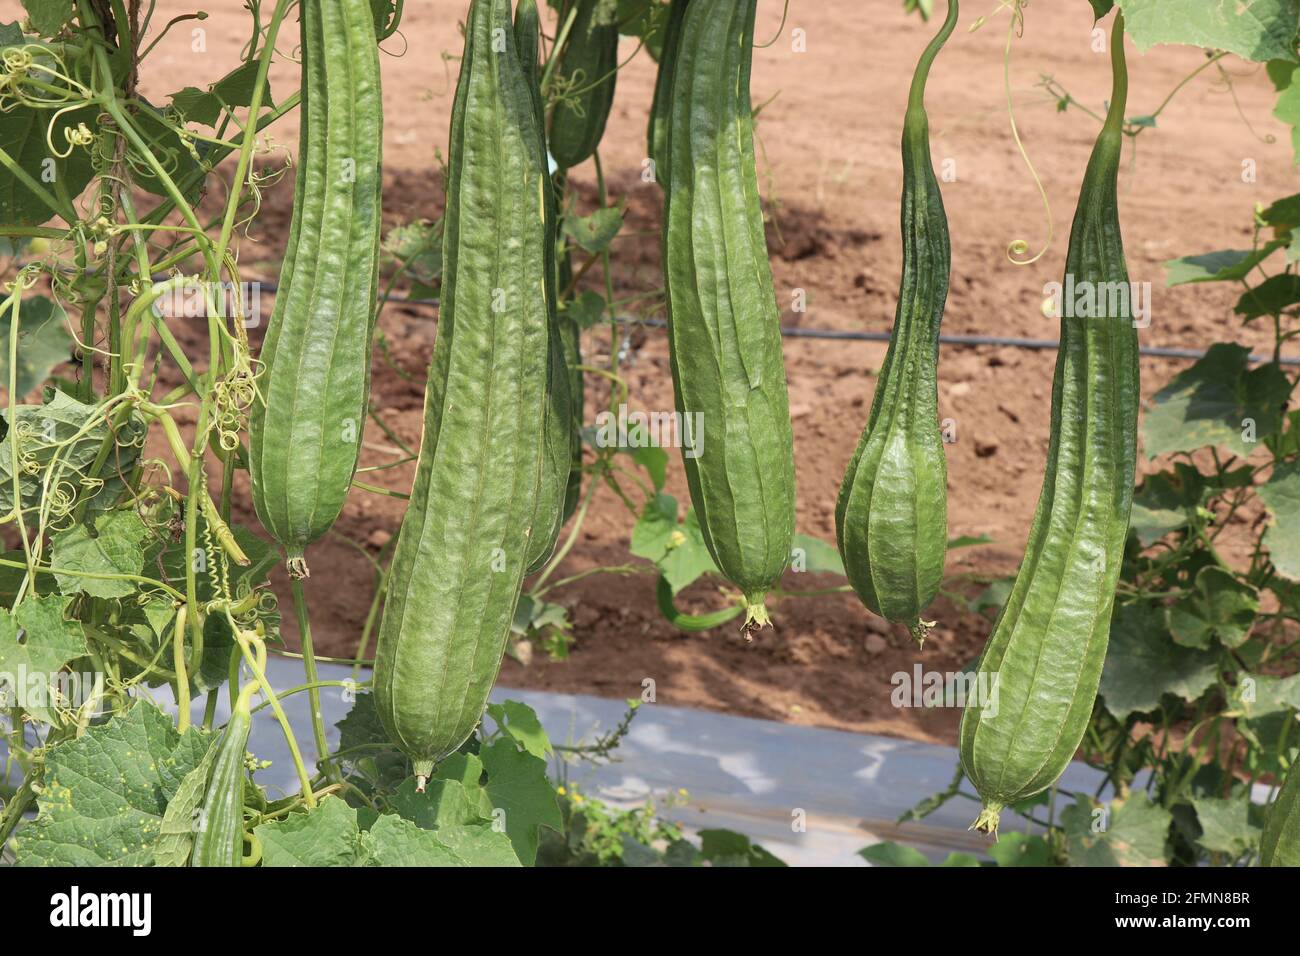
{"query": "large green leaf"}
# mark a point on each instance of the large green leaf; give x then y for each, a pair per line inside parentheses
(35, 643)
(1271, 297)
(43, 341)
(1143, 664)
(116, 546)
(1220, 401)
(517, 785)
(1220, 606)
(1258, 30)
(23, 135)
(1225, 825)
(65, 429)
(678, 549)
(1281, 495)
(104, 794)
(1128, 832)
(1226, 265)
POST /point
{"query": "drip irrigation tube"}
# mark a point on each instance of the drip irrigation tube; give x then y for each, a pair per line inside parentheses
(964, 341)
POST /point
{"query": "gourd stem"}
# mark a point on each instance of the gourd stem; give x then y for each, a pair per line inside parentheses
(1119, 67)
(916, 99)
(313, 680)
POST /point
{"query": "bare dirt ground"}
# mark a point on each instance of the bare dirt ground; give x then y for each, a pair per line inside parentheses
(831, 176)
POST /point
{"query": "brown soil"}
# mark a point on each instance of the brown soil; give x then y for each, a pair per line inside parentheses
(831, 178)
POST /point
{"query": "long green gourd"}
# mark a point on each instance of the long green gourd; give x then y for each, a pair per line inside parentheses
(219, 840)
(891, 519)
(560, 435)
(305, 430)
(1039, 673)
(661, 108)
(462, 549)
(1280, 844)
(589, 65)
(724, 331)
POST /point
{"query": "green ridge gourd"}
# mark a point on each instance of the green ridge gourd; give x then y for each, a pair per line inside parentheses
(461, 551)
(560, 434)
(660, 109)
(891, 520)
(305, 429)
(1280, 844)
(589, 62)
(220, 840)
(723, 323)
(1039, 673)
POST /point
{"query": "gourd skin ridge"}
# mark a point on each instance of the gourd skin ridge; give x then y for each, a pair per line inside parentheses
(305, 428)
(724, 333)
(461, 553)
(891, 519)
(1043, 661)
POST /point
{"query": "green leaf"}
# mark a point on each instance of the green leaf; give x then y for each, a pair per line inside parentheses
(35, 644)
(115, 547)
(397, 842)
(445, 803)
(893, 854)
(176, 833)
(969, 541)
(1225, 825)
(23, 132)
(418, 245)
(1281, 495)
(1165, 503)
(74, 433)
(584, 311)
(1227, 265)
(1259, 695)
(233, 89)
(594, 233)
(815, 556)
(104, 794)
(1132, 833)
(519, 722)
(1257, 30)
(517, 784)
(48, 16)
(1214, 403)
(1288, 111)
(1100, 8)
(466, 769)
(1220, 606)
(727, 848)
(678, 549)
(1143, 664)
(43, 341)
(379, 767)
(326, 835)
(1270, 297)
(1020, 849)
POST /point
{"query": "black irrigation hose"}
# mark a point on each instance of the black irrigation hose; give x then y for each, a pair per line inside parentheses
(968, 341)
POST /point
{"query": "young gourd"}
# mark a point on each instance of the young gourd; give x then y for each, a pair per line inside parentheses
(891, 520)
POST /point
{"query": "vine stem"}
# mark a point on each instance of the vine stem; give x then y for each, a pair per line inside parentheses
(246, 148)
(259, 673)
(313, 679)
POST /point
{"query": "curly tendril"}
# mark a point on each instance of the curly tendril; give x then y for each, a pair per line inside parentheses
(1017, 249)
